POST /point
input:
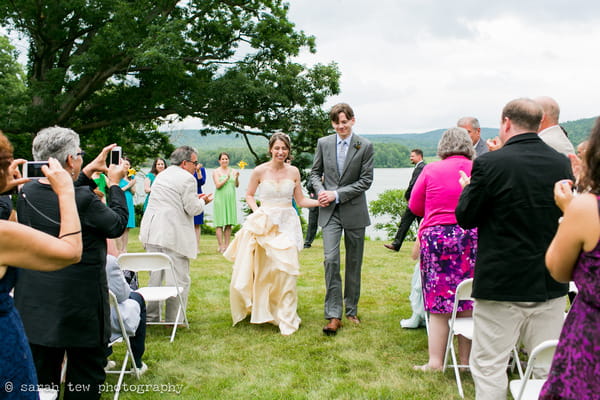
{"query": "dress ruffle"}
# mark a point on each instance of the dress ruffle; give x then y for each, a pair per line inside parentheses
(265, 269)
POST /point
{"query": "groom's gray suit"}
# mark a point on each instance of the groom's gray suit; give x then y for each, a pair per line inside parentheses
(350, 215)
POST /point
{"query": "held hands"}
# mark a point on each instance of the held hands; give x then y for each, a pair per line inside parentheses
(60, 180)
(206, 197)
(464, 180)
(326, 197)
(563, 193)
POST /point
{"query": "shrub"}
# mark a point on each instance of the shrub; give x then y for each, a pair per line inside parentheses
(391, 203)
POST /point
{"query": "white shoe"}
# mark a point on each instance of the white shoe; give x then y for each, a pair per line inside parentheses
(110, 364)
(143, 368)
(414, 322)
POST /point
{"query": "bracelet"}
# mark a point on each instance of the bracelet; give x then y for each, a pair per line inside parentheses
(69, 234)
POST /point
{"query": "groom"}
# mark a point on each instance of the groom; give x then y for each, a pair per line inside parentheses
(345, 161)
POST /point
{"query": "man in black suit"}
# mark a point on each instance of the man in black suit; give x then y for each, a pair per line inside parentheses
(416, 157)
(313, 218)
(509, 198)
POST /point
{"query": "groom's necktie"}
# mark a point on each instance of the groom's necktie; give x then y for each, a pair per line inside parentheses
(342, 150)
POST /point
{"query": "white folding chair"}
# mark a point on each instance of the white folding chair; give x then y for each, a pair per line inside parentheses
(541, 356)
(128, 353)
(150, 262)
(464, 326)
(48, 394)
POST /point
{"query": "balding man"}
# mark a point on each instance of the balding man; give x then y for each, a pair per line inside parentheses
(471, 124)
(510, 200)
(168, 226)
(550, 132)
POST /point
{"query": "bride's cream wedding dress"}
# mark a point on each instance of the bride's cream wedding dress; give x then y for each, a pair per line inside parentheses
(265, 256)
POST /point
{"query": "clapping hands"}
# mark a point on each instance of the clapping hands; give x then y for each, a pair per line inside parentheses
(494, 144)
(206, 197)
(563, 193)
(464, 180)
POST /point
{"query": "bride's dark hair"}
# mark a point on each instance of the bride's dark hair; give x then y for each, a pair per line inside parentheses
(280, 136)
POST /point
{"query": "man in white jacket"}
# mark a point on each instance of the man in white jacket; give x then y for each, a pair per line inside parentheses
(550, 132)
(168, 225)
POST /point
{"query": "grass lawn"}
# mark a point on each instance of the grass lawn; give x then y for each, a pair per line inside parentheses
(214, 360)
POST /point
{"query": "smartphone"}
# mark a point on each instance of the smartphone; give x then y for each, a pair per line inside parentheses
(33, 169)
(115, 155)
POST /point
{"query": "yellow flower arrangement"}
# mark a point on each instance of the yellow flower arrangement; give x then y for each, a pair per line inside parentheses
(130, 172)
(242, 164)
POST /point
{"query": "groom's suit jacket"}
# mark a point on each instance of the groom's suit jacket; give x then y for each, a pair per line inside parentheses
(351, 185)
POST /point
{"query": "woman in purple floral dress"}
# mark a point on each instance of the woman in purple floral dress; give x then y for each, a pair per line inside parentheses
(574, 254)
(447, 250)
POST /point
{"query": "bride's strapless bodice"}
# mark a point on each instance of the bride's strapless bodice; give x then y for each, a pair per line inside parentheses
(276, 193)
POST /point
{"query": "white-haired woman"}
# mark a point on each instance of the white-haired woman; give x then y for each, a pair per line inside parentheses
(447, 250)
(67, 311)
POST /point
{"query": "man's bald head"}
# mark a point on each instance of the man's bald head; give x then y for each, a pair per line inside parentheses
(551, 111)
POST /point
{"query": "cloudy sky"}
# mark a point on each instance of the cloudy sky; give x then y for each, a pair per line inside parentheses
(417, 65)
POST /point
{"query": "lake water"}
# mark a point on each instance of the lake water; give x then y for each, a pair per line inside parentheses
(384, 179)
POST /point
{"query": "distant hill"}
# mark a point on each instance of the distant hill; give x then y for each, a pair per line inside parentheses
(426, 141)
(578, 131)
(192, 137)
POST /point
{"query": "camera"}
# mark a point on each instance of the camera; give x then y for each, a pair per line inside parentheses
(115, 155)
(33, 169)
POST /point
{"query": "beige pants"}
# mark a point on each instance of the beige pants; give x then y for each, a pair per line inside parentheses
(497, 327)
(181, 266)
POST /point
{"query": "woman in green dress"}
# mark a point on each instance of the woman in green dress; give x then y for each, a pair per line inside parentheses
(224, 209)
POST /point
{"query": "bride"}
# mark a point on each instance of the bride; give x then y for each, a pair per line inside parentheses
(265, 250)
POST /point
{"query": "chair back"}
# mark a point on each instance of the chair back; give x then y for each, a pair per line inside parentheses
(463, 290)
(144, 261)
(541, 356)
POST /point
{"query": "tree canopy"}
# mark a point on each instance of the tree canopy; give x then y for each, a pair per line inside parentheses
(119, 66)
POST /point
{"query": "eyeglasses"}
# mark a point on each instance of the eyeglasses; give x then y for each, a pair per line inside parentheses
(81, 153)
(194, 162)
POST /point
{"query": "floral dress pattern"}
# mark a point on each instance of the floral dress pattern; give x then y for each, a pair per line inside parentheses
(447, 258)
(575, 371)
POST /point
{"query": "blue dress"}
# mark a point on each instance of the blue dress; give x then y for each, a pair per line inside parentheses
(151, 177)
(17, 371)
(129, 199)
(199, 219)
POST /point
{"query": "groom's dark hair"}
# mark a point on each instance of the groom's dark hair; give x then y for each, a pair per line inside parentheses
(340, 108)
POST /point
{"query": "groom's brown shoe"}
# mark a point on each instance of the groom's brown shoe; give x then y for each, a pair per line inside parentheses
(332, 327)
(354, 319)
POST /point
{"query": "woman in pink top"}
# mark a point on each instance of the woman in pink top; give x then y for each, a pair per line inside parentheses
(447, 250)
